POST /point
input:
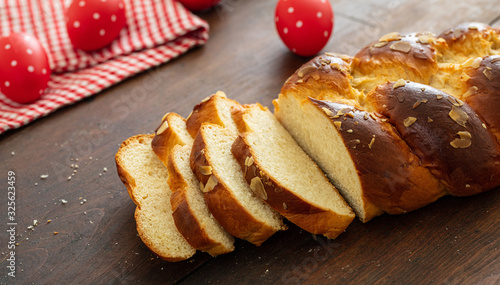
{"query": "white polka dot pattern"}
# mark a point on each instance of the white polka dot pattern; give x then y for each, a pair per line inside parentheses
(304, 25)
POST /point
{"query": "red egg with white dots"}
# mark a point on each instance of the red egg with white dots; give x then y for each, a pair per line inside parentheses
(94, 24)
(305, 26)
(24, 68)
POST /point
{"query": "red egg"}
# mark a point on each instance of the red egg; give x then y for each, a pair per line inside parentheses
(199, 5)
(94, 24)
(24, 68)
(304, 25)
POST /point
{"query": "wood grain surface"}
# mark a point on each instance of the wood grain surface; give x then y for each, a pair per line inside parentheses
(453, 241)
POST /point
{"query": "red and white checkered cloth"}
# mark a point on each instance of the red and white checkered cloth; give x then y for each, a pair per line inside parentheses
(156, 32)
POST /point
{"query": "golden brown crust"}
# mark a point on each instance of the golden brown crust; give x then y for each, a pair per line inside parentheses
(393, 56)
(166, 138)
(328, 69)
(399, 184)
(300, 212)
(225, 208)
(484, 94)
(207, 112)
(445, 133)
(185, 219)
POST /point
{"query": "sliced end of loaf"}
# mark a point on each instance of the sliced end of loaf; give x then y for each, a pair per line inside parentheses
(145, 177)
(321, 141)
(190, 212)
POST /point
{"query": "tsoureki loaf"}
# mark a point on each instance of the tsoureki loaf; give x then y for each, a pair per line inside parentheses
(408, 119)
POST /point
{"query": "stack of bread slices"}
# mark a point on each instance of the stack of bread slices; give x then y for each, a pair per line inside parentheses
(409, 119)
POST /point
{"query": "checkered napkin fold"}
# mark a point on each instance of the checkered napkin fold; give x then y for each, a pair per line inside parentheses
(156, 32)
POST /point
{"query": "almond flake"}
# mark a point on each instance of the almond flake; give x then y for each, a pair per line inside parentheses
(206, 99)
(258, 188)
(162, 128)
(221, 94)
(327, 112)
(484, 126)
(401, 82)
(409, 121)
(476, 63)
(429, 120)
(487, 72)
(336, 66)
(465, 77)
(390, 37)
(439, 97)
(306, 70)
(284, 206)
(249, 161)
(370, 145)
(365, 116)
(354, 143)
(468, 62)
(338, 125)
(404, 47)
(455, 101)
(464, 141)
(471, 91)
(424, 39)
(380, 44)
(350, 131)
(211, 183)
(206, 170)
(164, 117)
(458, 115)
(416, 104)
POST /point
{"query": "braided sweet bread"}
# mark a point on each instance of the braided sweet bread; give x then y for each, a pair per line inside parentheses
(407, 120)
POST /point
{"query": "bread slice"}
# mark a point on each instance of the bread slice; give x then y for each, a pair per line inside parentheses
(228, 196)
(171, 132)
(216, 109)
(285, 177)
(146, 180)
(190, 212)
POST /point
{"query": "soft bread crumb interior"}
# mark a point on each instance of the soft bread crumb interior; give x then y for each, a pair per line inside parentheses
(318, 137)
(196, 201)
(225, 105)
(225, 167)
(281, 157)
(178, 125)
(155, 223)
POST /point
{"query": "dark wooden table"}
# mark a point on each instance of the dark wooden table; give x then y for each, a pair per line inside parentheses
(455, 240)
